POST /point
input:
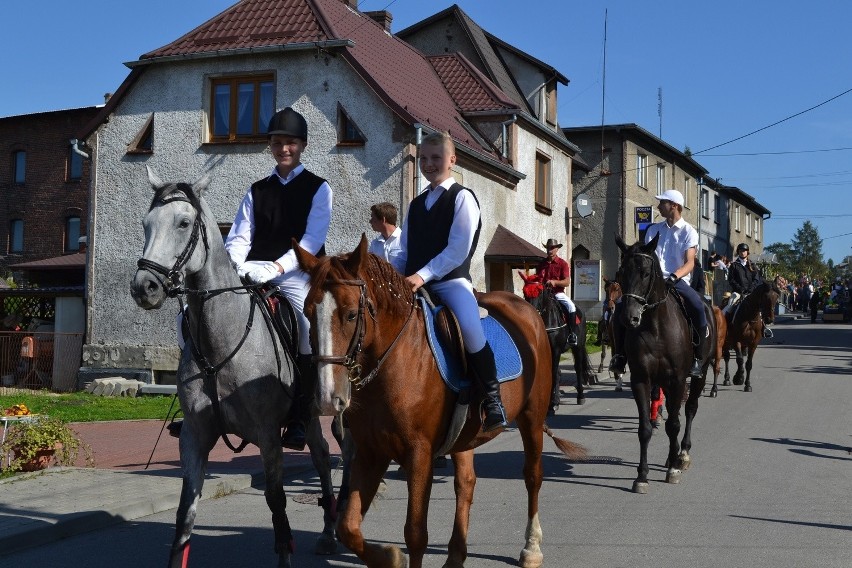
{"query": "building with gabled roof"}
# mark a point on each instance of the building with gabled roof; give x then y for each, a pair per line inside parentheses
(203, 101)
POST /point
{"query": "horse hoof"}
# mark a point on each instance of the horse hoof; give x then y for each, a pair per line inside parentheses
(640, 487)
(581, 399)
(618, 389)
(738, 380)
(726, 382)
(673, 476)
(747, 388)
(684, 461)
(325, 545)
(714, 392)
(530, 559)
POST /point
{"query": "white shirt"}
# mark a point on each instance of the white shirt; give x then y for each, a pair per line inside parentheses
(465, 222)
(239, 240)
(673, 244)
(387, 248)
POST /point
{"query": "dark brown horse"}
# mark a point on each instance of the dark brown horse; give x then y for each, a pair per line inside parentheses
(658, 345)
(612, 289)
(546, 304)
(745, 329)
(375, 364)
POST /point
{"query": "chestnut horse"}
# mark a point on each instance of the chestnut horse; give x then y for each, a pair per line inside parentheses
(546, 304)
(658, 345)
(745, 329)
(364, 319)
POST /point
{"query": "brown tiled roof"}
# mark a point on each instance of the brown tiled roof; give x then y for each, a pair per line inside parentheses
(399, 74)
(471, 90)
(64, 262)
(507, 246)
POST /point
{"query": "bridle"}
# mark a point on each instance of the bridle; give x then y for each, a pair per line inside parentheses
(172, 278)
(356, 342)
(643, 300)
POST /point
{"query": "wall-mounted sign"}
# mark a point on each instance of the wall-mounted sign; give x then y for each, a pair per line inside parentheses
(587, 280)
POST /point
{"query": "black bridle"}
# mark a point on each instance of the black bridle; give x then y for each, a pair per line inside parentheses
(643, 300)
(356, 342)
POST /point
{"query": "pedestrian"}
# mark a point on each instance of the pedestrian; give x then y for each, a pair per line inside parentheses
(814, 305)
(383, 220)
(676, 247)
(556, 275)
(697, 281)
(289, 203)
(438, 240)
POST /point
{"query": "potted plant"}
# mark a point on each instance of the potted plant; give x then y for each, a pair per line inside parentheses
(35, 444)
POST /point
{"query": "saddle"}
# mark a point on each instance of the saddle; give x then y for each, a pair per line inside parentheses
(278, 312)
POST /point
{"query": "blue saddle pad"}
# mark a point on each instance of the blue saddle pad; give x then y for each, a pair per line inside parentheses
(506, 354)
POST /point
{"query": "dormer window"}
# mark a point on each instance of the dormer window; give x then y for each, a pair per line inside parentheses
(348, 133)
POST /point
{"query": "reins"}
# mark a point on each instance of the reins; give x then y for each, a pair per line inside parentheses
(356, 343)
(643, 301)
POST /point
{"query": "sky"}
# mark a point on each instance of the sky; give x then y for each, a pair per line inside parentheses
(760, 91)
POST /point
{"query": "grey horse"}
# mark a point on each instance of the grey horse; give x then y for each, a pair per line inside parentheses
(235, 376)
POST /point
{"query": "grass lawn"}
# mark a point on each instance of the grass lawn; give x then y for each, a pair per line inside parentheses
(85, 407)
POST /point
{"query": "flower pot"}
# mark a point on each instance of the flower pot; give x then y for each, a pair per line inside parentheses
(41, 460)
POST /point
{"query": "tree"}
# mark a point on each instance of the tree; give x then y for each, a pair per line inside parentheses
(785, 257)
(807, 245)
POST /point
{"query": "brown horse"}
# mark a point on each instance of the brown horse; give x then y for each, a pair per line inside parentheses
(364, 320)
(745, 329)
(613, 293)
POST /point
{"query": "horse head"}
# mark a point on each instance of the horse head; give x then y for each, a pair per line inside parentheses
(173, 227)
(357, 302)
(641, 279)
(768, 293)
(613, 293)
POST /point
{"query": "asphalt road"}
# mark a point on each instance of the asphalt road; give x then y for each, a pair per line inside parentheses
(769, 487)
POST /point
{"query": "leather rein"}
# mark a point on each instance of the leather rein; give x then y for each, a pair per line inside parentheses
(356, 343)
(643, 301)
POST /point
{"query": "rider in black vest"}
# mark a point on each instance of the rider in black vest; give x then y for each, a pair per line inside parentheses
(438, 240)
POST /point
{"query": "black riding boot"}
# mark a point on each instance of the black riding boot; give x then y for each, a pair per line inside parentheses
(571, 318)
(485, 370)
(294, 437)
(695, 372)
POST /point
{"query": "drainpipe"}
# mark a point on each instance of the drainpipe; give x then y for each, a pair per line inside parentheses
(503, 127)
(418, 138)
(76, 148)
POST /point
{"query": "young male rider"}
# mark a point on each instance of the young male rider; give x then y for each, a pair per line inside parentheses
(556, 274)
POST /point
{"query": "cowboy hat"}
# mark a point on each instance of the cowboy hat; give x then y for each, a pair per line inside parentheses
(552, 243)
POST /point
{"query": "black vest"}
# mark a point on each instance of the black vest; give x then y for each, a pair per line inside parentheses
(281, 214)
(429, 232)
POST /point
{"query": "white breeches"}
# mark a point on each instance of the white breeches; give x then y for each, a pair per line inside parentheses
(565, 301)
(294, 286)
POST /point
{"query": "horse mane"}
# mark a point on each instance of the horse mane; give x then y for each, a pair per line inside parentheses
(387, 286)
(161, 193)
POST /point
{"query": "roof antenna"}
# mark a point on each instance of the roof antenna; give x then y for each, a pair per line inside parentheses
(604, 171)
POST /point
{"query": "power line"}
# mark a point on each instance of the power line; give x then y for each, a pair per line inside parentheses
(774, 123)
(778, 153)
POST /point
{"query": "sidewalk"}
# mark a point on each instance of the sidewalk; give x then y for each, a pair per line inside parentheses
(45, 506)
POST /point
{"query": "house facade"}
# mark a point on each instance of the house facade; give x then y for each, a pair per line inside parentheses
(203, 101)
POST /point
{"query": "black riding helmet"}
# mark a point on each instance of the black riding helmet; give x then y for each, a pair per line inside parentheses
(742, 247)
(288, 122)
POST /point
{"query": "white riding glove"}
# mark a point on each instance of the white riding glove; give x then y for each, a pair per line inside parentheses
(258, 271)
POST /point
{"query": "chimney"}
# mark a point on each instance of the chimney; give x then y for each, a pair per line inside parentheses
(107, 97)
(383, 17)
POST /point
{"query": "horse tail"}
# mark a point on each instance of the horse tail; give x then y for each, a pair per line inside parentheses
(570, 449)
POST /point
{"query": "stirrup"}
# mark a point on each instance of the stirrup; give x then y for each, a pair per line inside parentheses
(695, 371)
(294, 437)
(495, 415)
(572, 338)
(767, 333)
(618, 364)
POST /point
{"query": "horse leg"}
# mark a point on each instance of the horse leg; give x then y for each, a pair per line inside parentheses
(726, 353)
(326, 542)
(555, 395)
(273, 469)
(739, 375)
(674, 398)
(347, 451)
(531, 429)
(642, 396)
(690, 410)
(418, 467)
(603, 358)
(366, 474)
(748, 369)
(194, 460)
(579, 372)
(465, 482)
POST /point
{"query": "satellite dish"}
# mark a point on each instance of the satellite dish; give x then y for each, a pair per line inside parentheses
(584, 205)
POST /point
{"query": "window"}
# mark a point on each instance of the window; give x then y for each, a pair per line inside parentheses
(550, 102)
(16, 236)
(348, 133)
(19, 164)
(144, 141)
(72, 234)
(241, 107)
(642, 170)
(661, 179)
(717, 209)
(542, 181)
(686, 188)
(75, 165)
(748, 224)
(736, 217)
(756, 228)
(705, 204)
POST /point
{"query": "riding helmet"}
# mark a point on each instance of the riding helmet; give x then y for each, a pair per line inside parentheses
(742, 247)
(288, 122)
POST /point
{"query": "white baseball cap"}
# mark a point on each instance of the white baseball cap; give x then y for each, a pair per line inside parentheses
(672, 195)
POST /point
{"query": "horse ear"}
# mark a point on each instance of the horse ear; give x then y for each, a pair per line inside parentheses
(306, 260)
(621, 244)
(154, 179)
(652, 246)
(199, 186)
(358, 258)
